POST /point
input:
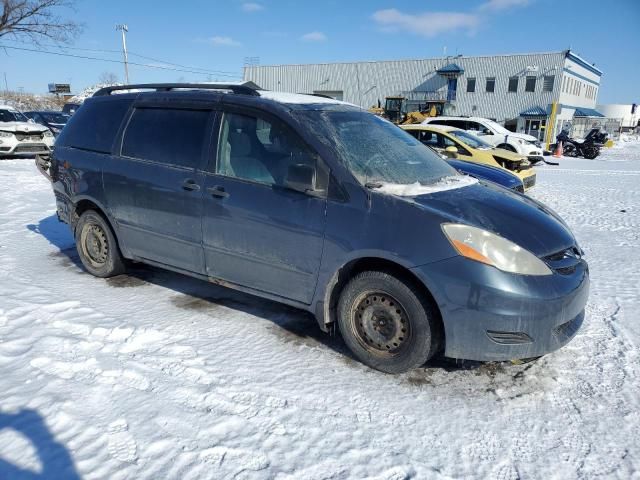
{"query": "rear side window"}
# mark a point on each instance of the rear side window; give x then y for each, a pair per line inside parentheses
(170, 136)
(95, 125)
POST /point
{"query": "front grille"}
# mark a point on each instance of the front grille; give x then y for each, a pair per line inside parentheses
(34, 148)
(31, 137)
(529, 181)
(509, 338)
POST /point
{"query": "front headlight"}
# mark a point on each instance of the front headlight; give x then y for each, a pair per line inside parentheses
(6, 134)
(491, 249)
(48, 133)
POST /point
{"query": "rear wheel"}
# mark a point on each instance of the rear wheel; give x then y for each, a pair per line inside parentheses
(591, 152)
(97, 246)
(388, 324)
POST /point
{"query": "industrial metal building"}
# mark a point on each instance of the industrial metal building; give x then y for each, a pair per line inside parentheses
(517, 90)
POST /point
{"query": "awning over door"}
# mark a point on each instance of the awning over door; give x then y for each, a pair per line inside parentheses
(587, 112)
(534, 112)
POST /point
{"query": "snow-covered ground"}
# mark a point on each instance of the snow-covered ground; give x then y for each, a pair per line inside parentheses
(156, 375)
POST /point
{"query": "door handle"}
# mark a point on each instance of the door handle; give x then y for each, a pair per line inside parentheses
(190, 185)
(218, 191)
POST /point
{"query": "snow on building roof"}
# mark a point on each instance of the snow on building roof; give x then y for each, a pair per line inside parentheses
(297, 98)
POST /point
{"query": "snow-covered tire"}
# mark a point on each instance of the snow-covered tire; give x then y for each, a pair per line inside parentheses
(97, 246)
(387, 323)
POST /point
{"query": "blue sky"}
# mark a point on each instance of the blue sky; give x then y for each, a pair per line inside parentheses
(218, 35)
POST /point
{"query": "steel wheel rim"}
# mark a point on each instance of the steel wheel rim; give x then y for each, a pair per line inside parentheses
(94, 244)
(380, 324)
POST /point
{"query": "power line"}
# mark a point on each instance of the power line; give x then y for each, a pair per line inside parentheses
(101, 50)
(146, 65)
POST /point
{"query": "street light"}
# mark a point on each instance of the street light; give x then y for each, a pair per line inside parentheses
(124, 29)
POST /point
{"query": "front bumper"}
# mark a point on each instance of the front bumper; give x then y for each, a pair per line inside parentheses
(490, 315)
(528, 178)
(21, 148)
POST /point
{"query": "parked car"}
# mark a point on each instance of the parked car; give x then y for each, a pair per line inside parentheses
(497, 175)
(460, 144)
(19, 135)
(54, 121)
(314, 203)
(495, 134)
(70, 108)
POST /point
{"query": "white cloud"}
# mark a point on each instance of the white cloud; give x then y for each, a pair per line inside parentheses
(218, 41)
(427, 24)
(314, 37)
(496, 5)
(251, 7)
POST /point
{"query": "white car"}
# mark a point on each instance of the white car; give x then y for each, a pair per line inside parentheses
(19, 135)
(494, 134)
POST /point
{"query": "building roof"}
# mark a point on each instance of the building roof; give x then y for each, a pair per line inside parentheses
(534, 112)
(553, 52)
(587, 112)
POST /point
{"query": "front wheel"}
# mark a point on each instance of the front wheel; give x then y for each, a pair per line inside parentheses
(97, 246)
(506, 146)
(388, 324)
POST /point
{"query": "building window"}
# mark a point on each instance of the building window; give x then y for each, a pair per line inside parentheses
(513, 84)
(547, 86)
(530, 84)
(491, 84)
(471, 84)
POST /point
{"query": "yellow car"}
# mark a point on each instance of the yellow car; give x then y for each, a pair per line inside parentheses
(456, 143)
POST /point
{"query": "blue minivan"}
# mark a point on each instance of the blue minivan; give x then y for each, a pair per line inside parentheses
(317, 204)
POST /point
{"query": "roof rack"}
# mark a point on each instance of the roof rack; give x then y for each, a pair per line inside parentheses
(245, 88)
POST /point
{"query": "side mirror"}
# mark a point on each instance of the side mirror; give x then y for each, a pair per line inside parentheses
(31, 120)
(451, 152)
(301, 178)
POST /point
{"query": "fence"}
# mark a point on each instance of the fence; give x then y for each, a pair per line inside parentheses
(581, 126)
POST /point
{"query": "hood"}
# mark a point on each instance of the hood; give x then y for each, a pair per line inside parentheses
(506, 154)
(22, 127)
(523, 136)
(518, 218)
(487, 172)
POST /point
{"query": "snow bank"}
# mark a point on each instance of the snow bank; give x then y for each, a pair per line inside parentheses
(415, 189)
(157, 375)
(89, 91)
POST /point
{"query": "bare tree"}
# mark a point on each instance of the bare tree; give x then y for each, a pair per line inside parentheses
(108, 78)
(37, 20)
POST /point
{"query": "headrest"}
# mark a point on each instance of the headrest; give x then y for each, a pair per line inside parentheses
(240, 144)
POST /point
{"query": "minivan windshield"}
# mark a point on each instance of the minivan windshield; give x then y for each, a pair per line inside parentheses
(375, 150)
(55, 117)
(471, 140)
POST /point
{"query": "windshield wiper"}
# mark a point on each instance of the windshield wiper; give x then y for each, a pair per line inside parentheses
(373, 185)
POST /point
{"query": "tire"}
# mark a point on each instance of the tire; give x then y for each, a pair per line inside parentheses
(569, 150)
(97, 246)
(591, 152)
(506, 146)
(407, 334)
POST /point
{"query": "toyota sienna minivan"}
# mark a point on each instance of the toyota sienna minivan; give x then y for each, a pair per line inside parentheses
(317, 204)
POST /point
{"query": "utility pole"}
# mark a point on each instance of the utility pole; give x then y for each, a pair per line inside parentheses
(124, 29)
